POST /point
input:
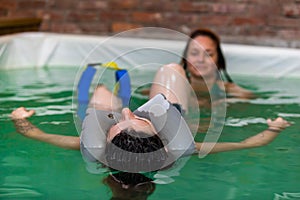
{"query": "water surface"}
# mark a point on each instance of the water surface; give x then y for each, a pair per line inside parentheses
(33, 170)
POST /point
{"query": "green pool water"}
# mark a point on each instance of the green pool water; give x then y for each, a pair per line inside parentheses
(34, 170)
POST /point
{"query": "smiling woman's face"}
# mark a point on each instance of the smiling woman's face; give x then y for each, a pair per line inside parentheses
(202, 56)
(131, 121)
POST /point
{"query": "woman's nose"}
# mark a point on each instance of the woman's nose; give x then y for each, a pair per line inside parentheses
(201, 57)
(127, 114)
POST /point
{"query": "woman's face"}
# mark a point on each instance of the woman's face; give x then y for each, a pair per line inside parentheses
(131, 121)
(202, 56)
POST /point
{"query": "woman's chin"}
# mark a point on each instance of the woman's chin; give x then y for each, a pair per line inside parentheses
(201, 75)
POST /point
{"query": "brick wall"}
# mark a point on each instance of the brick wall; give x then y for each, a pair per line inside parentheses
(255, 22)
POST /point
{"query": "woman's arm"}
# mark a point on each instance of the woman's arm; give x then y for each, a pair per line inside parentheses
(261, 139)
(234, 90)
(27, 129)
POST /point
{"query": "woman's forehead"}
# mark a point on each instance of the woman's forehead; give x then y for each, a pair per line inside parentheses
(203, 43)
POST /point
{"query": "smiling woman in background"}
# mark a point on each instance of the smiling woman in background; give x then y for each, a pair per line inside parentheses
(192, 58)
(203, 64)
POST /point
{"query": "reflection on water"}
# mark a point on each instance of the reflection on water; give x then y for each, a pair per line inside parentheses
(287, 196)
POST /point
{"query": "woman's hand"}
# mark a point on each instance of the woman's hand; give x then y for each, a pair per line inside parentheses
(278, 124)
(21, 113)
(24, 127)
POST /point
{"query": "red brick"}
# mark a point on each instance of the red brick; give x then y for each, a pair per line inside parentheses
(94, 28)
(80, 16)
(124, 4)
(239, 21)
(92, 5)
(31, 4)
(52, 15)
(282, 22)
(8, 4)
(113, 16)
(120, 26)
(62, 4)
(283, 2)
(242, 18)
(158, 5)
(65, 28)
(194, 7)
(219, 20)
(289, 34)
(263, 10)
(45, 26)
(180, 18)
(146, 17)
(291, 10)
(257, 2)
(23, 14)
(3, 12)
(257, 31)
(229, 8)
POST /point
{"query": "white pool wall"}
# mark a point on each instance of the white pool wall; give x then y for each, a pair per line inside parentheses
(38, 50)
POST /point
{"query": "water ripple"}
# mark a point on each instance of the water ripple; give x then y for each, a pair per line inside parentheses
(8, 192)
(237, 122)
(287, 196)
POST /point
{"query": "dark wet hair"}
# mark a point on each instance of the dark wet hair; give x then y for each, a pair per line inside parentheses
(221, 64)
(129, 185)
(132, 151)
